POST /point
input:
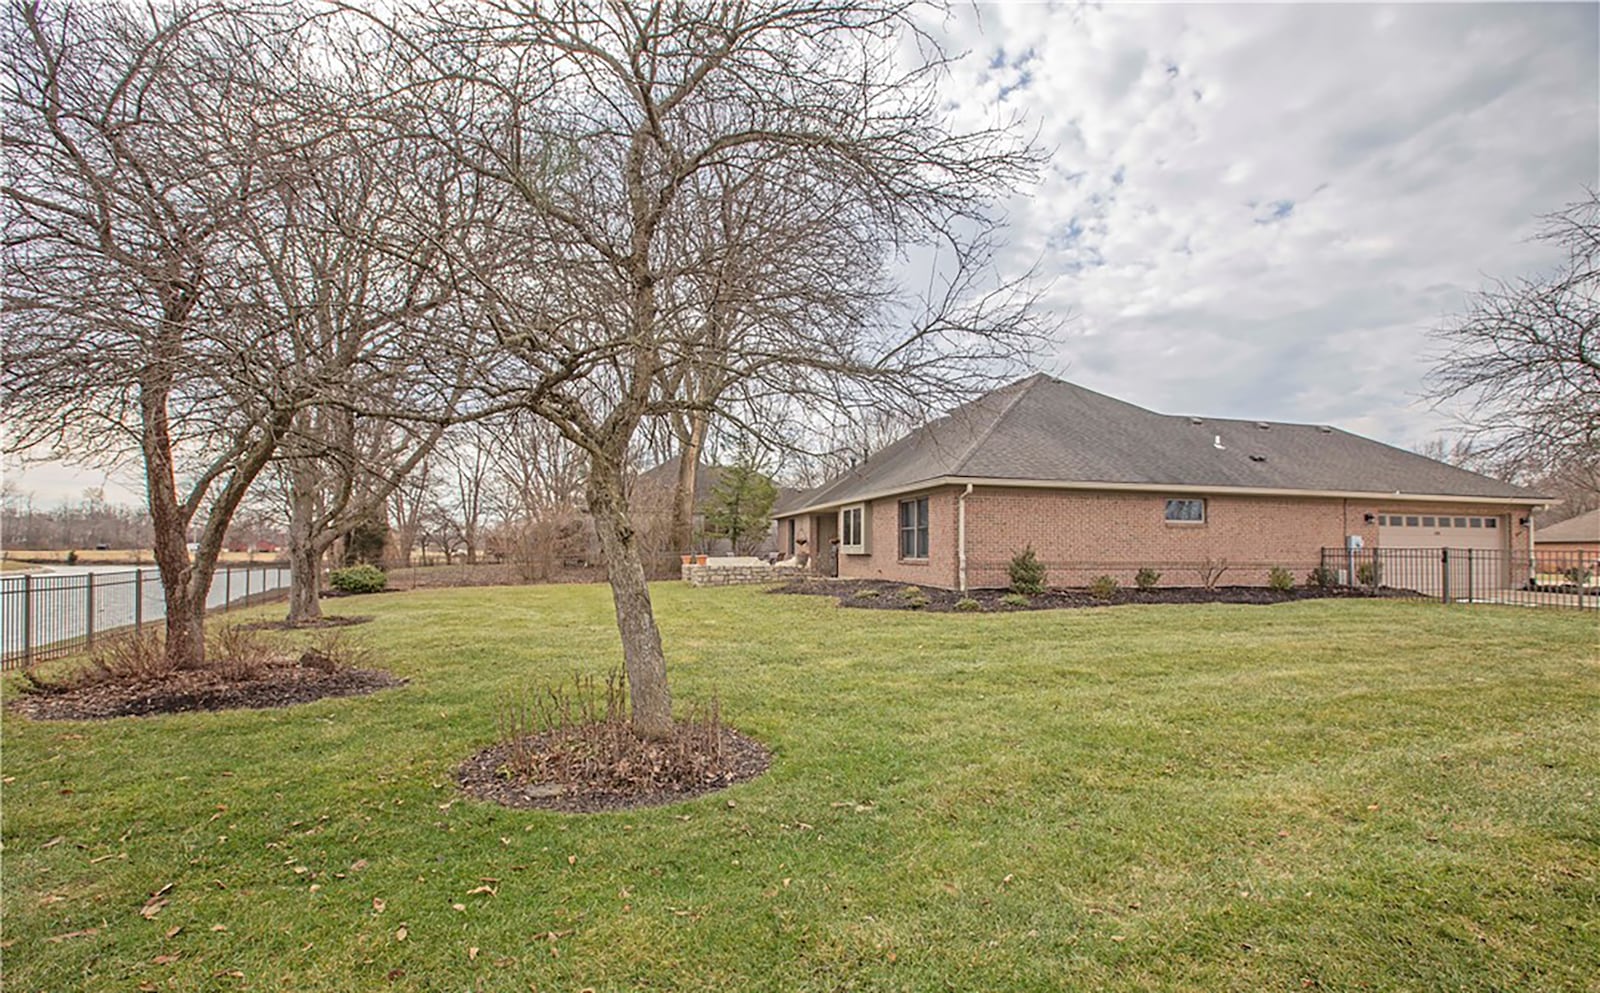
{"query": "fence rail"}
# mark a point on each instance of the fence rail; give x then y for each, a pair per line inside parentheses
(1471, 575)
(48, 615)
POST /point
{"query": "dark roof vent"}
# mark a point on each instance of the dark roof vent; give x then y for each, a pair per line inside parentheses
(1324, 429)
(1258, 458)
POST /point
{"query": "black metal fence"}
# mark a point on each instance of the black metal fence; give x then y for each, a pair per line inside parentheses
(48, 615)
(1470, 575)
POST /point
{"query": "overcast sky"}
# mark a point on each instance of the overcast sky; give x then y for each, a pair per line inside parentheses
(1259, 211)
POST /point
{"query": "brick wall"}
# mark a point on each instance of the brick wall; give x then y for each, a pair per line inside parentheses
(1081, 534)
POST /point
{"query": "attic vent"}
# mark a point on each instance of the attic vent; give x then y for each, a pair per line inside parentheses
(1324, 429)
(1263, 425)
(1196, 420)
(1258, 458)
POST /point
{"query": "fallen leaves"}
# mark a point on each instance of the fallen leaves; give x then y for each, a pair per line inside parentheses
(156, 903)
(85, 933)
(401, 933)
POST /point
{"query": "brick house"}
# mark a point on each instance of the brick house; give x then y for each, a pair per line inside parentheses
(1572, 543)
(1099, 486)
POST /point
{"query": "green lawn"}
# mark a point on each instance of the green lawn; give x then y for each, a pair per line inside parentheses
(1326, 795)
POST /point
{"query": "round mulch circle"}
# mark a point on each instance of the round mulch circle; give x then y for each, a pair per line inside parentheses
(480, 777)
(179, 692)
(336, 621)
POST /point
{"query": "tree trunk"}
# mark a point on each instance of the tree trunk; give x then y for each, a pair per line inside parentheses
(643, 658)
(305, 579)
(691, 442)
(186, 645)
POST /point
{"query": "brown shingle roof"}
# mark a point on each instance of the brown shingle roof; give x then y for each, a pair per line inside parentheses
(1584, 527)
(1042, 429)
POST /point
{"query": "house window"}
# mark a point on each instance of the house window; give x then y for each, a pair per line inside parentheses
(914, 528)
(1186, 511)
(853, 530)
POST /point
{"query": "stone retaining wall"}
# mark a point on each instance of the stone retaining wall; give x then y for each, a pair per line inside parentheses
(741, 575)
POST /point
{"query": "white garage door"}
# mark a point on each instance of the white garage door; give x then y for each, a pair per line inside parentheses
(1400, 530)
(1409, 548)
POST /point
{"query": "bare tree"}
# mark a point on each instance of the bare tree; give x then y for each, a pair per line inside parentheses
(612, 129)
(138, 141)
(1525, 357)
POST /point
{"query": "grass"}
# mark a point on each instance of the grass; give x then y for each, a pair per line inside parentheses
(1319, 795)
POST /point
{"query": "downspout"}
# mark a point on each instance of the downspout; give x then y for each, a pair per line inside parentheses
(961, 537)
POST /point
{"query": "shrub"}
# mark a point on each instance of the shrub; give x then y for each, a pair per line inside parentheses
(358, 579)
(1027, 572)
(1015, 600)
(911, 593)
(1210, 572)
(1369, 574)
(916, 602)
(868, 595)
(1103, 588)
(1280, 579)
(968, 605)
(238, 652)
(1322, 577)
(1147, 578)
(1577, 576)
(72, 557)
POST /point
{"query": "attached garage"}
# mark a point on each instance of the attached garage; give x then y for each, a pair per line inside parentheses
(1429, 553)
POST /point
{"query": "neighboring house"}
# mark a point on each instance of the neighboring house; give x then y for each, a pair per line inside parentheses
(1098, 486)
(1573, 543)
(651, 499)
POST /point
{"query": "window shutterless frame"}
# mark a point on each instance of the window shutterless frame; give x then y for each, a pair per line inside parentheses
(1185, 511)
(914, 528)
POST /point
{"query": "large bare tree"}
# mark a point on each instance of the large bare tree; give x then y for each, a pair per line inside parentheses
(617, 131)
(138, 140)
(1525, 358)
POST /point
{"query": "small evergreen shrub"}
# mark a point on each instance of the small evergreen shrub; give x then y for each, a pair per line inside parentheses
(358, 579)
(868, 595)
(72, 557)
(1015, 600)
(911, 593)
(1322, 577)
(1280, 579)
(916, 602)
(1027, 572)
(968, 605)
(1146, 578)
(1103, 588)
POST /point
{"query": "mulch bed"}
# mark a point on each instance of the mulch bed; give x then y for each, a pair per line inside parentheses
(280, 685)
(317, 625)
(481, 777)
(881, 595)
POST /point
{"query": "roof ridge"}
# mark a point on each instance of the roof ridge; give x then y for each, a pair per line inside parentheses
(1025, 387)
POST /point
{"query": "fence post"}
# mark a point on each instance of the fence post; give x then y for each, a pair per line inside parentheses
(1444, 575)
(227, 587)
(27, 619)
(247, 572)
(88, 613)
(1469, 575)
(138, 601)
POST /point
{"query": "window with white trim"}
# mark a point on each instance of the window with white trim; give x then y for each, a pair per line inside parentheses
(914, 528)
(1184, 511)
(853, 530)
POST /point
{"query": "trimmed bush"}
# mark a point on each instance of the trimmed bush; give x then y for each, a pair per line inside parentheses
(911, 593)
(1280, 579)
(1015, 600)
(968, 605)
(1322, 577)
(1369, 574)
(1103, 588)
(1146, 578)
(358, 579)
(1027, 572)
(916, 602)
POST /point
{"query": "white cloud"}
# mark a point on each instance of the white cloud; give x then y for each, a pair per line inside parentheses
(1260, 210)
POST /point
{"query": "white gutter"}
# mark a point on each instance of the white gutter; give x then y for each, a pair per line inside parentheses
(961, 536)
(1176, 488)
